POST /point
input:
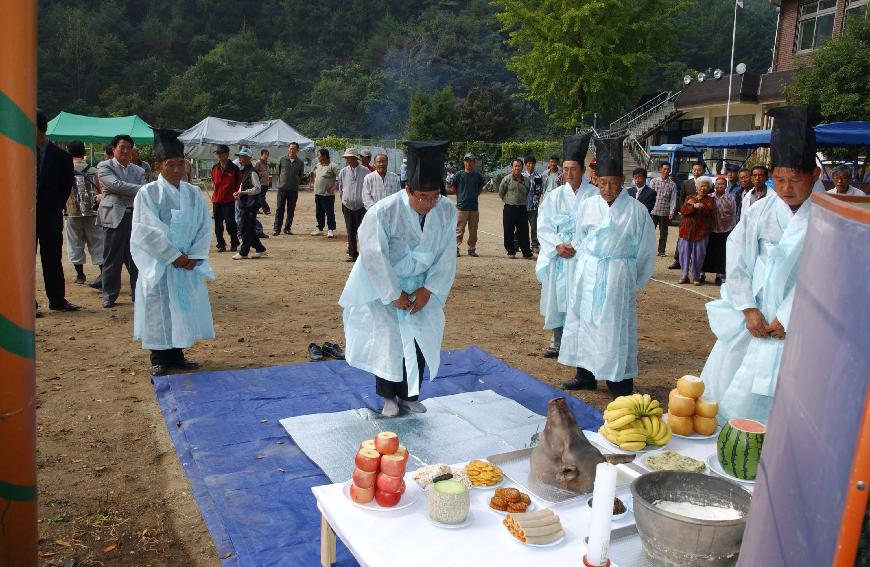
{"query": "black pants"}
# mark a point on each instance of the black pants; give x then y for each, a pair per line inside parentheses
(263, 203)
(249, 232)
(49, 238)
(286, 199)
(533, 227)
(167, 357)
(388, 389)
(352, 220)
(516, 222)
(662, 223)
(225, 213)
(324, 206)
(116, 255)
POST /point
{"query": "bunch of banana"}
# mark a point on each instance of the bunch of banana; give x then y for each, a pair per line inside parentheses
(633, 422)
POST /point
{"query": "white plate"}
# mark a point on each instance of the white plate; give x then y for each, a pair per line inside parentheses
(531, 508)
(551, 544)
(493, 487)
(468, 519)
(648, 455)
(713, 465)
(614, 517)
(693, 435)
(628, 501)
(646, 449)
(412, 493)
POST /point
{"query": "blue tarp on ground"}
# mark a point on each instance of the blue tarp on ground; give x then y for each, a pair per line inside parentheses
(252, 483)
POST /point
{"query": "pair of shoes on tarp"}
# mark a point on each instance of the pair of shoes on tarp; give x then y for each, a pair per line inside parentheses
(317, 352)
(393, 406)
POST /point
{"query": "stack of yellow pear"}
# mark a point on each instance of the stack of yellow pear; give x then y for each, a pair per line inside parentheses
(635, 421)
(688, 412)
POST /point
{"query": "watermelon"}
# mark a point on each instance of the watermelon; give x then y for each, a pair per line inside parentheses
(739, 447)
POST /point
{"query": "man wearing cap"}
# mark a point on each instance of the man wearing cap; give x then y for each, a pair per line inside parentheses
(289, 172)
(394, 298)
(751, 319)
(365, 157)
(467, 185)
(81, 226)
(380, 183)
(170, 244)
(54, 181)
(225, 177)
(248, 199)
(556, 220)
(350, 185)
(120, 180)
(616, 247)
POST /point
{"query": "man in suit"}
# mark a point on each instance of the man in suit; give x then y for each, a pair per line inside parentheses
(686, 191)
(643, 192)
(54, 181)
(120, 180)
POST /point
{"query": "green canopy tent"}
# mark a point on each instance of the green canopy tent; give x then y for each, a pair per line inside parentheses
(66, 126)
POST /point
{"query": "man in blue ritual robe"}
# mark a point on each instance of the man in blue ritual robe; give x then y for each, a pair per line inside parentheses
(394, 298)
(169, 243)
(751, 319)
(616, 248)
(556, 219)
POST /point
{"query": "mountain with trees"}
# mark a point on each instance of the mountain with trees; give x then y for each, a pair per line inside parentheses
(359, 69)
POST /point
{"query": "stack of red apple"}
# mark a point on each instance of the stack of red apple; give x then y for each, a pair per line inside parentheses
(380, 468)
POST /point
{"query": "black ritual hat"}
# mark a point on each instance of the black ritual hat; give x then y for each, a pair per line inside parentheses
(608, 155)
(574, 147)
(792, 138)
(426, 164)
(167, 145)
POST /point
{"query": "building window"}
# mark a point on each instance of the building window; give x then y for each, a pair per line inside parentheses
(855, 8)
(815, 24)
(737, 123)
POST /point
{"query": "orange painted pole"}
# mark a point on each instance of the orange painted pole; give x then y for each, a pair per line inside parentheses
(18, 510)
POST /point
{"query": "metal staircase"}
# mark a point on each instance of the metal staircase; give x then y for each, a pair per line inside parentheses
(637, 124)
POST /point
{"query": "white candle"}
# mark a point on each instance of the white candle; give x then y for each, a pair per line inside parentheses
(602, 514)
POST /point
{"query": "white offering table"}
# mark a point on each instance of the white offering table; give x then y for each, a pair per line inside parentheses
(398, 538)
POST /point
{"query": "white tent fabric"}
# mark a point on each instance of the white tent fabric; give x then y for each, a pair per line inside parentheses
(274, 135)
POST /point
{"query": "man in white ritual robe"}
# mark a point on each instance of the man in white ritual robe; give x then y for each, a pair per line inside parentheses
(394, 298)
(556, 219)
(170, 243)
(751, 319)
(615, 242)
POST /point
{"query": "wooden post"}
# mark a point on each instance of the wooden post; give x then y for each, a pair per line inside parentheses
(18, 528)
(327, 543)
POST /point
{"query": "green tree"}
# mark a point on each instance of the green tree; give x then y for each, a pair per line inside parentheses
(487, 114)
(573, 56)
(836, 81)
(434, 117)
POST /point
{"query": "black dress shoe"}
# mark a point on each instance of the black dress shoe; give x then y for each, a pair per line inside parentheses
(576, 384)
(674, 266)
(262, 235)
(333, 350)
(159, 370)
(221, 248)
(623, 388)
(108, 303)
(551, 352)
(315, 353)
(186, 364)
(96, 284)
(65, 306)
(80, 278)
(234, 248)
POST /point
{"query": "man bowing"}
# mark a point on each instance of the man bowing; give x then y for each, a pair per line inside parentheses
(394, 297)
(762, 256)
(616, 247)
(169, 244)
(556, 219)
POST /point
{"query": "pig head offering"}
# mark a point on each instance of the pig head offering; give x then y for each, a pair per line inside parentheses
(563, 457)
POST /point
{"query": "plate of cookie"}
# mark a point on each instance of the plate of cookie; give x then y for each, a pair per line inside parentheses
(484, 475)
(510, 501)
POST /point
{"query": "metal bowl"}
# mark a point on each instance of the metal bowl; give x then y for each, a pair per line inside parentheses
(671, 540)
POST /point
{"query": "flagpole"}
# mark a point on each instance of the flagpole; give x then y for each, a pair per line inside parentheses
(730, 76)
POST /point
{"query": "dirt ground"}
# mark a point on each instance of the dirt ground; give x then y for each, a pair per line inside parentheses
(111, 488)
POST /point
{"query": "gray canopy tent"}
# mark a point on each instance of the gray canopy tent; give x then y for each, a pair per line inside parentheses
(273, 135)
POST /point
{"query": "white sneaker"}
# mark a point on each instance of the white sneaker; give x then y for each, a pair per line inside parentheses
(259, 254)
(239, 257)
(317, 232)
(330, 234)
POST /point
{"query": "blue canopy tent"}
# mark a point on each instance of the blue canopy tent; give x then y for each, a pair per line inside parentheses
(854, 134)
